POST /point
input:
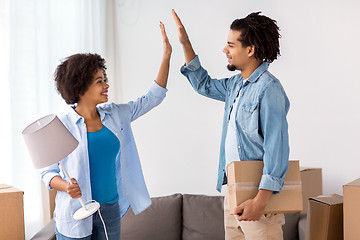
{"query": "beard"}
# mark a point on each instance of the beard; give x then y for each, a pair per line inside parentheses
(231, 67)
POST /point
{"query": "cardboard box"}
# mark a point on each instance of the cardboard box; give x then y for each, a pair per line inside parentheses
(11, 213)
(325, 218)
(243, 182)
(311, 180)
(352, 210)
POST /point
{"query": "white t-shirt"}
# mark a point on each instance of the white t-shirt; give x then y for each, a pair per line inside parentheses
(231, 144)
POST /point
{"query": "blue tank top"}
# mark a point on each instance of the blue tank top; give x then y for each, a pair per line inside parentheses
(103, 147)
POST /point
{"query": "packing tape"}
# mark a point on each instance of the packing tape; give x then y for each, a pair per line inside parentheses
(288, 185)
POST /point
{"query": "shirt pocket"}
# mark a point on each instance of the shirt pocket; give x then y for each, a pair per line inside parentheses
(248, 116)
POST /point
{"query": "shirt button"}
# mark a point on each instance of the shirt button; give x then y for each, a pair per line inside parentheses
(239, 146)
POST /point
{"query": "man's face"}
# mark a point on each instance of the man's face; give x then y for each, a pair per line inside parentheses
(238, 56)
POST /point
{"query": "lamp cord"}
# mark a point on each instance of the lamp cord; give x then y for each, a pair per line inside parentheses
(102, 220)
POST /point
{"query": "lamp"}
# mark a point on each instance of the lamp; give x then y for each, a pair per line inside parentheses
(49, 141)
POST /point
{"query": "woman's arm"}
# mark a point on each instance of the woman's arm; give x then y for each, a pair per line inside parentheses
(60, 184)
(158, 89)
(162, 76)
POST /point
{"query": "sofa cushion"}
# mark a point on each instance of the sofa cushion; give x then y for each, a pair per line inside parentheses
(161, 221)
(203, 217)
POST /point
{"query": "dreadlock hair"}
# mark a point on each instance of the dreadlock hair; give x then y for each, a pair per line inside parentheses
(260, 31)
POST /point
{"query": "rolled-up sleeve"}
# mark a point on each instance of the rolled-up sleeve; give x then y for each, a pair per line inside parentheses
(202, 83)
(145, 103)
(157, 90)
(273, 110)
(49, 173)
(193, 65)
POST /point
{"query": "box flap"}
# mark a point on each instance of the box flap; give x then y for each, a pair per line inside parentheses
(329, 200)
(303, 169)
(355, 183)
(4, 188)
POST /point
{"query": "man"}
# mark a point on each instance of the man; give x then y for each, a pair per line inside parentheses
(255, 125)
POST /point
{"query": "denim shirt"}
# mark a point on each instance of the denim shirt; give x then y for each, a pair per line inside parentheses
(262, 128)
(131, 186)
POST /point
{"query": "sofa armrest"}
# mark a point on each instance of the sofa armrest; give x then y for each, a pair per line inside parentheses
(46, 233)
(302, 226)
(290, 228)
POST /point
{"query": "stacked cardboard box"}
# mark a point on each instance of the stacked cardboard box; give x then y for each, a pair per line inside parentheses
(325, 218)
(311, 180)
(352, 210)
(11, 213)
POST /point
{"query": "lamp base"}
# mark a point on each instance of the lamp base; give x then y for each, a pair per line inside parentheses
(84, 213)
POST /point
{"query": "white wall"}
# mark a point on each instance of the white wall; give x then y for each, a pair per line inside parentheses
(179, 141)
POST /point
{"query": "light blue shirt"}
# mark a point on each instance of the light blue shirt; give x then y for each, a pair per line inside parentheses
(262, 128)
(131, 186)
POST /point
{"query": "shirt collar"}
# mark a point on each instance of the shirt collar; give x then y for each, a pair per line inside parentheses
(257, 73)
(76, 118)
(103, 112)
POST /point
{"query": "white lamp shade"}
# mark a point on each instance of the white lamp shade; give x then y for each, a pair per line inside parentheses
(48, 141)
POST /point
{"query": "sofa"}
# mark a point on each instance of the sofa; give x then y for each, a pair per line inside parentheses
(183, 217)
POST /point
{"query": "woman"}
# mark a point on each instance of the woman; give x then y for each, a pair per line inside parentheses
(105, 165)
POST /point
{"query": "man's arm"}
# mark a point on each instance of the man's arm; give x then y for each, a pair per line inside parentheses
(197, 76)
(273, 110)
(253, 209)
(189, 52)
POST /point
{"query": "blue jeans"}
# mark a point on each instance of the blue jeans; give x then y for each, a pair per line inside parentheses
(110, 213)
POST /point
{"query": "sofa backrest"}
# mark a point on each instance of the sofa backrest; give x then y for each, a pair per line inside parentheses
(161, 221)
(177, 217)
(203, 217)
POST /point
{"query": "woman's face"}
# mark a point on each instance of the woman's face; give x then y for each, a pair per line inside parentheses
(98, 90)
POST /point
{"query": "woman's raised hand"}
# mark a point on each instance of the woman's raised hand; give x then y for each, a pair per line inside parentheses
(166, 43)
(163, 74)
